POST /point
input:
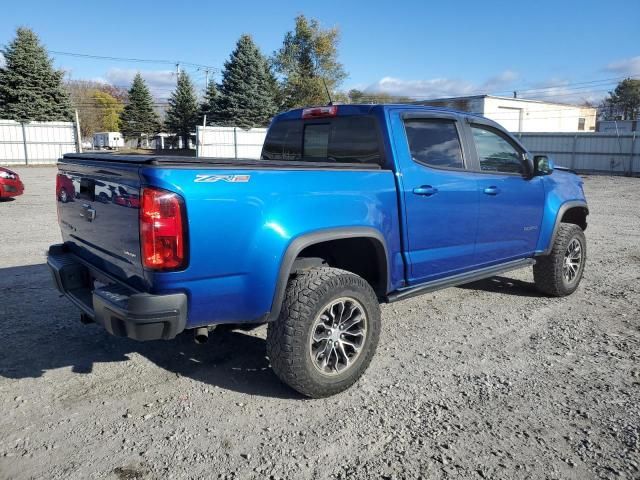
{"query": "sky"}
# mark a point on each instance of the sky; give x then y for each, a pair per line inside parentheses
(567, 51)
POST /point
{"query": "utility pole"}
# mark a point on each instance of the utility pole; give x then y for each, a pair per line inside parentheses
(206, 79)
(177, 71)
(78, 137)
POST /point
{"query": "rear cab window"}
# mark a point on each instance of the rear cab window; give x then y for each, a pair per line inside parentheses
(434, 142)
(346, 139)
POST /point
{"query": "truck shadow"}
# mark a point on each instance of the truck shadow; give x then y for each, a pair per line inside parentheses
(41, 332)
(506, 286)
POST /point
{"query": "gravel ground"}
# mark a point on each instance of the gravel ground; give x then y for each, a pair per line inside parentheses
(489, 380)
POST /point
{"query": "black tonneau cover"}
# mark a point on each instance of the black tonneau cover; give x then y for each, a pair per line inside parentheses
(178, 161)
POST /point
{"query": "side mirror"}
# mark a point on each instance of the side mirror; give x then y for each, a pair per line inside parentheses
(543, 165)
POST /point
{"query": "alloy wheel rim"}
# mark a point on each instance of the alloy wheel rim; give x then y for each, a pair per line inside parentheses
(572, 261)
(338, 335)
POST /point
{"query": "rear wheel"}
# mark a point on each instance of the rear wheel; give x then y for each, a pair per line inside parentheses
(560, 272)
(327, 332)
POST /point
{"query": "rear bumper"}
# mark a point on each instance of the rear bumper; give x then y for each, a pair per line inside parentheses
(121, 310)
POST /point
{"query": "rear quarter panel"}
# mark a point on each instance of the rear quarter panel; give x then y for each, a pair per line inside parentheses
(239, 231)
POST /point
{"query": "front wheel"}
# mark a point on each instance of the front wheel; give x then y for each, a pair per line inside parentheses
(559, 273)
(327, 332)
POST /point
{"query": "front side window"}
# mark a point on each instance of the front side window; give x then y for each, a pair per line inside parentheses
(434, 143)
(495, 153)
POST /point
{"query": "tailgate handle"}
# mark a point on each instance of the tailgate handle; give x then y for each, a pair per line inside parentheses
(89, 212)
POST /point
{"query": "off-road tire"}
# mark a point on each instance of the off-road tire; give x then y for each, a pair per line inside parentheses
(548, 270)
(288, 348)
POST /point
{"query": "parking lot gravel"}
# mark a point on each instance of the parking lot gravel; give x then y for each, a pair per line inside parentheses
(488, 380)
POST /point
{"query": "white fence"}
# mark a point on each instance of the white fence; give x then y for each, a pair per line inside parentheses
(229, 142)
(35, 143)
(588, 152)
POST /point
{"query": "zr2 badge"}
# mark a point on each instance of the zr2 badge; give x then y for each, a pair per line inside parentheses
(222, 178)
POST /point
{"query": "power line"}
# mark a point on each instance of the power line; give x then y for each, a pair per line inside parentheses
(566, 89)
(134, 60)
(569, 85)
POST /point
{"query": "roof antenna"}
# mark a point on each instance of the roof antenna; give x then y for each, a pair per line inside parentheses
(327, 90)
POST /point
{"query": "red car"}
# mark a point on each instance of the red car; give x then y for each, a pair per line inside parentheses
(126, 199)
(65, 190)
(10, 184)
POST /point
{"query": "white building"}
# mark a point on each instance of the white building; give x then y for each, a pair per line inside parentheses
(109, 140)
(522, 115)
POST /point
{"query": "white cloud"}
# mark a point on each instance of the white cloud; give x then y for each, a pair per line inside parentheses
(441, 87)
(553, 89)
(2, 61)
(432, 88)
(501, 81)
(625, 67)
(160, 82)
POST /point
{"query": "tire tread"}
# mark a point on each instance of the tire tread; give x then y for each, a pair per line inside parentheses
(547, 272)
(302, 296)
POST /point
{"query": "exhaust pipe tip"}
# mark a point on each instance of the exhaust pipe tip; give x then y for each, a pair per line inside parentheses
(201, 335)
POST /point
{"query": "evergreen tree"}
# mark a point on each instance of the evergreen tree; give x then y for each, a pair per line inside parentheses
(30, 88)
(246, 92)
(182, 114)
(138, 117)
(209, 105)
(308, 58)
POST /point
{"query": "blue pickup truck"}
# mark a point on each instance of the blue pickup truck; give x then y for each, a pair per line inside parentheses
(349, 206)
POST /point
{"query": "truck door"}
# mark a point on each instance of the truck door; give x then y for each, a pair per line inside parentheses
(439, 195)
(511, 201)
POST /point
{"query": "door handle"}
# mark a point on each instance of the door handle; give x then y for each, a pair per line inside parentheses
(493, 190)
(425, 190)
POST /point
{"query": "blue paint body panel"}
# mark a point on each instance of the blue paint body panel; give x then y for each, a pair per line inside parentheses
(239, 232)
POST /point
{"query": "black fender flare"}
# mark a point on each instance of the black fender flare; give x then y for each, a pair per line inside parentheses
(303, 241)
(561, 211)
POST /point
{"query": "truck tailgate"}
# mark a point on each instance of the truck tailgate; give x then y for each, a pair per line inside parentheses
(98, 210)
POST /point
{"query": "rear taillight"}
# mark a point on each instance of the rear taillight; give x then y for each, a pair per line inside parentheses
(320, 112)
(162, 229)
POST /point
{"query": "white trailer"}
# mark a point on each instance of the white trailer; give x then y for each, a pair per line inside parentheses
(107, 140)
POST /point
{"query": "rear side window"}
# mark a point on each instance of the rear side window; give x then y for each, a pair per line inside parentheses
(495, 153)
(350, 139)
(434, 143)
